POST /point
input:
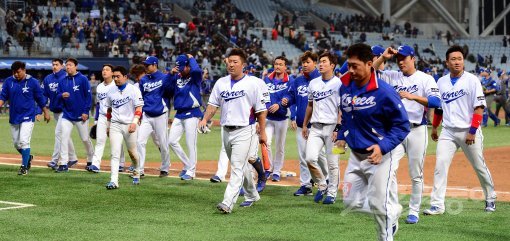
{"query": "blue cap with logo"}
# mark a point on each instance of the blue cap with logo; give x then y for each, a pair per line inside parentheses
(377, 50)
(151, 60)
(427, 70)
(406, 50)
(181, 62)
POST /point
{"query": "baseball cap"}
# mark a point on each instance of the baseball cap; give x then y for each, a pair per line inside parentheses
(406, 50)
(181, 62)
(300, 68)
(270, 70)
(151, 60)
(377, 50)
(427, 70)
(251, 66)
(337, 70)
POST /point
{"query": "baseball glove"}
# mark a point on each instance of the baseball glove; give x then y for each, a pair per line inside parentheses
(93, 131)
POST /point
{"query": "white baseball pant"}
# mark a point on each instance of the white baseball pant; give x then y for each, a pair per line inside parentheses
(319, 137)
(415, 146)
(118, 133)
(83, 131)
(363, 180)
(279, 130)
(222, 160)
(238, 143)
(21, 134)
(159, 125)
(58, 134)
(101, 136)
(449, 141)
(304, 172)
(189, 126)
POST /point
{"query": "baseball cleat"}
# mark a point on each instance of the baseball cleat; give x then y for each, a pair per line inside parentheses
(88, 165)
(434, 210)
(72, 163)
(303, 191)
(412, 219)
(93, 168)
(268, 174)
(490, 206)
(276, 178)
(215, 179)
(186, 177)
(320, 195)
(261, 185)
(329, 200)
(53, 165)
(62, 168)
(163, 174)
(23, 171)
(136, 181)
(111, 186)
(223, 208)
(246, 204)
(182, 173)
(121, 169)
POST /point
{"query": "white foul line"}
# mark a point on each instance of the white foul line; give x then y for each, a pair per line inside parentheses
(16, 205)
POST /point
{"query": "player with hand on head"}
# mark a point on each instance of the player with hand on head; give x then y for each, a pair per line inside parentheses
(124, 110)
(238, 95)
(74, 91)
(461, 111)
(22, 91)
(50, 90)
(418, 91)
(185, 79)
(374, 122)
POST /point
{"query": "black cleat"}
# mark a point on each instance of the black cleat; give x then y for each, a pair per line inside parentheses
(23, 170)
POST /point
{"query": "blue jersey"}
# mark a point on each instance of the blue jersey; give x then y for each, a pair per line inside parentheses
(187, 98)
(277, 90)
(50, 86)
(490, 84)
(371, 114)
(21, 96)
(154, 88)
(80, 97)
(298, 95)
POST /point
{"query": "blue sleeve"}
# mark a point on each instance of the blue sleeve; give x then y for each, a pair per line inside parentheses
(46, 90)
(344, 68)
(195, 71)
(434, 102)
(290, 95)
(96, 115)
(38, 110)
(4, 95)
(88, 96)
(168, 85)
(40, 99)
(397, 121)
(293, 110)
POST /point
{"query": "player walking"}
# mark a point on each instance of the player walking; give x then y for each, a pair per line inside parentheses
(124, 110)
(22, 90)
(74, 91)
(462, 109)
(417, 91)
(374, 122)
(237, 94)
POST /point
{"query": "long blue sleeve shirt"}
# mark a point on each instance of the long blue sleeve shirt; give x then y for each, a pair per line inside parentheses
(80, 96)
(298, 95)
(50, 84)
(186, 96)
(154, 87)
(277, 90)
(371, 114)
(21, 95)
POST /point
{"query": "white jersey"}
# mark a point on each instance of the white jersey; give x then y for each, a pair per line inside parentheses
(459, 101)
(102, 95)
(264, 89)
(123, 103)
(237, 98)
(325, 98)
(419, 84)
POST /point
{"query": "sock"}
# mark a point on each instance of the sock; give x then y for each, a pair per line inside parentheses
(259, 168)
(25, 156)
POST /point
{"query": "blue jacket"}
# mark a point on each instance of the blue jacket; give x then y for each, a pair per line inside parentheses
(21, 96)
(51, 83)
(490, 84)
(372, 114)
(80, 97)
(187, 97)
(277, 90)
(154, 88)
(298, 95)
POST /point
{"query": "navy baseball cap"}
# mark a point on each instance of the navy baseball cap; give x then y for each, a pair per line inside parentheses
(337, 70)
(406, 50)
(427, 70)
(300, 68)
(181, 62)
(377, 50)
(151, 60)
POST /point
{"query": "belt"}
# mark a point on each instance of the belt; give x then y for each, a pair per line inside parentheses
(414, 125)
(230, 128)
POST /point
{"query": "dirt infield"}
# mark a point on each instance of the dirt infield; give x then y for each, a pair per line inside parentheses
(462, 180)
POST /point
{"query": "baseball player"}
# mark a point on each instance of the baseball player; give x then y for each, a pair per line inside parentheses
(417, 91)
(462, 107)
(124, 110)
(74, 91)
(154, 88)
(22, 90)
(50, 88)
(323, 114)
(237, 94)
(278, 84)
(298, 96)
(102, 91)
(490, 88)
(186, 78)
(374, 122)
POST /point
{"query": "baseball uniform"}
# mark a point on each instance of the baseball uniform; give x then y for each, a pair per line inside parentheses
(490, 84)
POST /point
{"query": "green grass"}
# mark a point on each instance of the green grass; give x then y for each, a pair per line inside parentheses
(76, 206)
